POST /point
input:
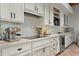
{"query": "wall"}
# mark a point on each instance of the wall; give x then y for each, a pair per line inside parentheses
(30, 24)
(74, 20)
(7, 24)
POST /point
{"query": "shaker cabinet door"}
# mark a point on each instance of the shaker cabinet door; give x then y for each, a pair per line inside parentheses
(18, 14)
(5, 11)
(17, 10)
(37, 52)
(40, 8)
(46, 51)
(46, 14)
(30, 6)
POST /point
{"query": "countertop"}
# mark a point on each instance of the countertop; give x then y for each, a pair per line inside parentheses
(22, 40)
(7, 44)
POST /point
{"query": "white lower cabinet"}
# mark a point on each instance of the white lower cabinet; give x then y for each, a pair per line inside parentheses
(40, 42)
(68, 39)
(45, 51)
(43, 47)
(15, 50)
(37, 52)
(55, 50)
(55, 46)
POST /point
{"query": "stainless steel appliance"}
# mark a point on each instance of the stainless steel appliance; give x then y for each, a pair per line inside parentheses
(11, 33)
(62, 42)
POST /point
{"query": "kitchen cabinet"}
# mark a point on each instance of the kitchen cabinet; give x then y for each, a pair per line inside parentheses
(55, 46)
(30, 6)
(66, 20)
(46, 51)
(12, 12)
(40, 8)
(34, 8)
(5, 11)
(37, 52)
(41, 47)
(68, 39)
(51, 21)
(16, 50)
(46, 15)
(41, 42)
(49, 15)
(17, 10)
(61, 18)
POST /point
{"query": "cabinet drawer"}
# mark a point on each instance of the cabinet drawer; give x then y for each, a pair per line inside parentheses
(40, 42)
(54, 44)
(53, 50)
(54, 39)
(14, 50)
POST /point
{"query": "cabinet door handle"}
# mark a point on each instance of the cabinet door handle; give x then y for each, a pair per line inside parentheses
(11, 14)
(35, 8)
(19, 49)
(14, 15)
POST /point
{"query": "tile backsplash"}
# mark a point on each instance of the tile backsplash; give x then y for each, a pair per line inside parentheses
(7, 24)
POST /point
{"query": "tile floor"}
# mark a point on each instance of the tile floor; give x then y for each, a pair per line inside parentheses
(72, 50)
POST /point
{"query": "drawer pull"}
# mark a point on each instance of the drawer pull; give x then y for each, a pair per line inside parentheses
(19, 49)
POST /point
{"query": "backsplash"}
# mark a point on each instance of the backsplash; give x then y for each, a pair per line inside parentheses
(8, 24)
(55, 29)
(30, 24)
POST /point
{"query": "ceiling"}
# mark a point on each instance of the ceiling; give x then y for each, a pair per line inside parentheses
(73, 4)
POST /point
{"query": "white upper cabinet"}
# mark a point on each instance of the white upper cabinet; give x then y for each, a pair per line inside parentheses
(46, 16)
(51, 15)
(17, 10)
(61, 19)
(30, 7)
(34, 8)
(5, 11)
(12, 12)
(40, 8)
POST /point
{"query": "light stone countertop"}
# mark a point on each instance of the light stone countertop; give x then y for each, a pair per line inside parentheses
(6, 44)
